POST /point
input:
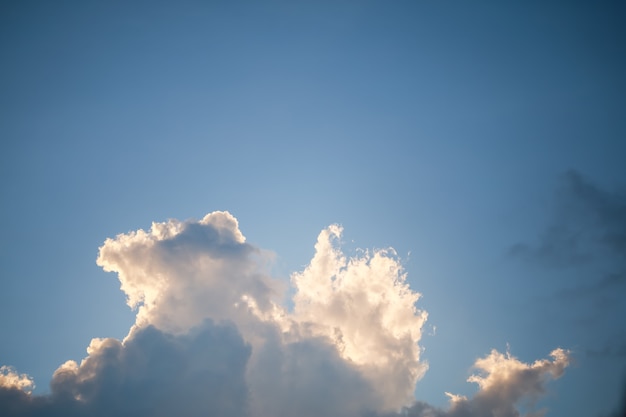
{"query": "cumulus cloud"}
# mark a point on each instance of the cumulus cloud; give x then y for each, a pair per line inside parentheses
(11, 379)
(365, 306)
(504, 383)
(212, 338)
(151, 373)
(179, 273)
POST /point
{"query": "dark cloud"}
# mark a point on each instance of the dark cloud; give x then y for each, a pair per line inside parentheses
(151, 373)
(613, 347)
(609, 350)
(610, 283)
(586, 240)
(589, 222)
(308, 379)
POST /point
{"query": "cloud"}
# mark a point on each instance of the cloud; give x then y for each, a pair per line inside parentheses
(151, 373)
(504, 383)
(179, 273)
(589, 222)
(609, 283)
(587, 236)
(10, 379)
(212, 338)
(365, 306)
(615, 347)
(307, 378)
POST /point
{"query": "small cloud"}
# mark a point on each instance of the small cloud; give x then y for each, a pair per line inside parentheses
(11, 379)
(504, 383)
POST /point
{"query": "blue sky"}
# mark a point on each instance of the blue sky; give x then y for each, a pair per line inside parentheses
(484, 142)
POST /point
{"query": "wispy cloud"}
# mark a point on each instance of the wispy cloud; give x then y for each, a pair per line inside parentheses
(212, 337)
(586, 242)
(588, 222)
(588, 229)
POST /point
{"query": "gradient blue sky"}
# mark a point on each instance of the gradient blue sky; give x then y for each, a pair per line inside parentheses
(442, 128)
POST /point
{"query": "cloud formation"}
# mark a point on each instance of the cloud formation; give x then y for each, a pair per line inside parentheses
(179, 273)
(212, 338)
(151, 373)
(589, 222)
(504, 383)
(587, 235)
(10, 379)
(365, 307)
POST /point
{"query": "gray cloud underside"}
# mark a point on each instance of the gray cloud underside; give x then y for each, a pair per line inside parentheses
(151, 374)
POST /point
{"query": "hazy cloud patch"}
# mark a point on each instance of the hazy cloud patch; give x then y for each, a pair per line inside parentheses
(586, 241)
(587, 237)
(588, 222)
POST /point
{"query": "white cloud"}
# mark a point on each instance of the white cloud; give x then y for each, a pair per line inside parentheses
(180, 273)
(212, 338)
(505, 382)
(364, 305)
(10, 378)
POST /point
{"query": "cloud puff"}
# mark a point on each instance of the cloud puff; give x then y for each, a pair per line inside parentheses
(365, 306)
(10, 379)
(179, 273)
(504, 383)
(212, 338)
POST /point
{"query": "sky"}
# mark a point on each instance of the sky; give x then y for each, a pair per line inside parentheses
(346, 208)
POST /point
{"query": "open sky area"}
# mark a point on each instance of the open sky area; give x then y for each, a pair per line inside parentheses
(313, 208)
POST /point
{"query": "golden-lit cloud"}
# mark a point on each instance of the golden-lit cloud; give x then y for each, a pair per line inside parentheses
(213, 336)
(10, 378)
